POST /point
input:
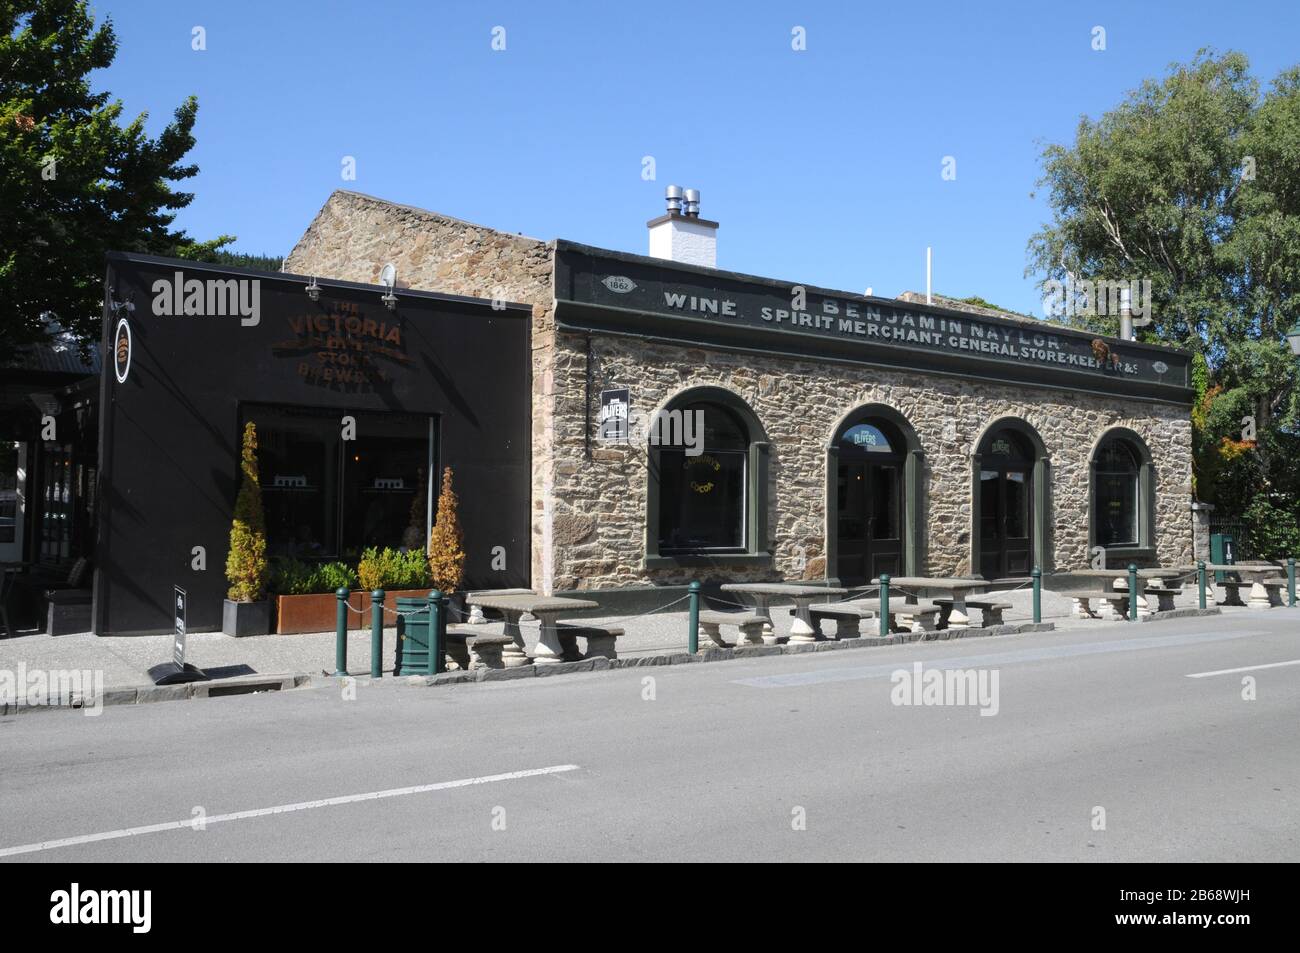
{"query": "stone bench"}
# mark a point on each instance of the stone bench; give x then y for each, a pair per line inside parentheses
(845, 615)
(469, 649)
(600, 641)
(750, 625)
(906, 616)
(1232, 592)
(1164, 597)
(1117, 607)
(1270, 596)
(990, 612)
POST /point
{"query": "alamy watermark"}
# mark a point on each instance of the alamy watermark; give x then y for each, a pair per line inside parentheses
(946, 688)
(209, 298)
(1087, 298)
(77, 688)
(679, 429)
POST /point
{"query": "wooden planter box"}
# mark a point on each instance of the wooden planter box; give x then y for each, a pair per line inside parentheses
(316, 612)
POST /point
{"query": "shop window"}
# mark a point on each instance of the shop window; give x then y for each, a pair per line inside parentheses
(1117, 508)
(325, 497)
(702, 496)
(9, 489)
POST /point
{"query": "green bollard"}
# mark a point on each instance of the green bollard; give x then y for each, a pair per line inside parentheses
(1132, 592)
(377, 634)
(436, 603)
(341, 633)
(884, 606)
(693, 625)
(1200, 581)
(1290, 581)
(1037, 575)
(444, 613)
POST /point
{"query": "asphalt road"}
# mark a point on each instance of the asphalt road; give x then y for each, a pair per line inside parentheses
(722, 763)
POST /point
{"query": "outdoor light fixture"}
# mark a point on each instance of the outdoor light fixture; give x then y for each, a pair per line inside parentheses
(117, 306)
(1293, 338)
(313, 289)
(388, 276)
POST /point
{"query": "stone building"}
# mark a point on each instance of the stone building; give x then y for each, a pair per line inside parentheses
(842, 436)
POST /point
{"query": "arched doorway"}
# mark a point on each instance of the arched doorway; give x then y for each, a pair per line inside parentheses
(872, 468)
(1009, 502)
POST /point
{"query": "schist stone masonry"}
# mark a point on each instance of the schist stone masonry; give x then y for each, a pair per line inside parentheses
(843, 436)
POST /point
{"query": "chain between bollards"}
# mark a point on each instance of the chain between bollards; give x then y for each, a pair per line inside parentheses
(437, 630)
(884, 606)
(341, 632)
(1132, 592)
(377, 634)
(693, 625)
(1200, 582)
(1037, 575)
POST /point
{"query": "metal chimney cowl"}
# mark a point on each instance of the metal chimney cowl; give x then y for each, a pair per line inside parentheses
(681, 235)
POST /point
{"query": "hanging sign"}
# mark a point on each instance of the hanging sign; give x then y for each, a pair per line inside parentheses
(615, 406)
(122, 351)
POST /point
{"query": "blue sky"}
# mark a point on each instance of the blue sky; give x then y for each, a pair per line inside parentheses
(823, 166)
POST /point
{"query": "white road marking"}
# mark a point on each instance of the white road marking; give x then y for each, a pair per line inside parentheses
(1039, 654)
(282, 809)
(1244, 668)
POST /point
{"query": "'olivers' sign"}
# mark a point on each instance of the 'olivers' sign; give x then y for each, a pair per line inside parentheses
(745, 304)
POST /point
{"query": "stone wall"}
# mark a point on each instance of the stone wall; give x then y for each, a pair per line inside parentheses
(589, 501)
(354, 236)
(600, 502)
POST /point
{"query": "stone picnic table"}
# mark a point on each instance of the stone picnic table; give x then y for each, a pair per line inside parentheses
(546, 609)
(1106, 578)
(801, 594)
(1253, 573)
(927, 587)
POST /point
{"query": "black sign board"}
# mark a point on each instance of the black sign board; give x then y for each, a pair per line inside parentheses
(615, 408)
(122, 350)
(177, 670)
(178, 652)
(602, 290)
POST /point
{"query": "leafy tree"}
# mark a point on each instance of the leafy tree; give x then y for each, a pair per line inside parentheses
(1193, 183)
(74, 183)
(242, 260)
(246, 567)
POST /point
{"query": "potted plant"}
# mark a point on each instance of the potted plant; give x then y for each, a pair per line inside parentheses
(396, 572)
(246, 611)
(304, 596)
(446, 548)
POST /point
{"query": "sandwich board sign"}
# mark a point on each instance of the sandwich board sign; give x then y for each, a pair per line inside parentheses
(177, 670)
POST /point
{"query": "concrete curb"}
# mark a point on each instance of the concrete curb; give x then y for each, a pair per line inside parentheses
(147, 694)
(716, 654)
(1180, 614)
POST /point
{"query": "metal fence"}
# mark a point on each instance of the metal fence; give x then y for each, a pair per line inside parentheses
(1240, 534)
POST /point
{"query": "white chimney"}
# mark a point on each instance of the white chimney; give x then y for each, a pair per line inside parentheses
(681, 235)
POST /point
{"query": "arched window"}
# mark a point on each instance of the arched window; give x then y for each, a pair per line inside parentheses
(702, 483)
(707, 492)
(1117, 500)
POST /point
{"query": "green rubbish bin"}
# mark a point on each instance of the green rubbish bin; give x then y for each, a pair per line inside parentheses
(412, 636)
(1223, 550)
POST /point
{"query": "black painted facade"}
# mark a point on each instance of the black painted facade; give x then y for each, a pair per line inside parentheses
(170, 432)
